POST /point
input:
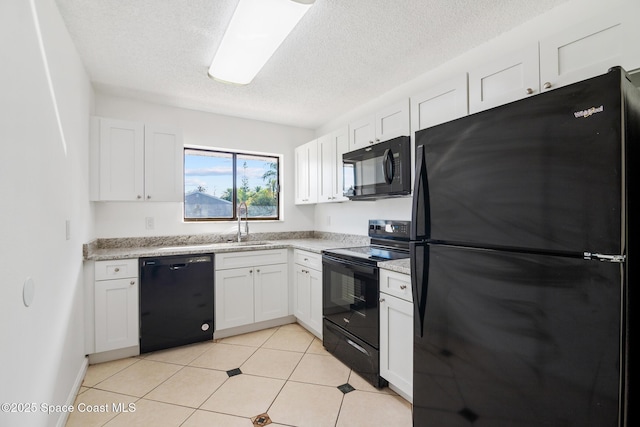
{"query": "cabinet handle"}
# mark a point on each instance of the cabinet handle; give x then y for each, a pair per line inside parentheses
(370, 142)
(116, 269)
(250, 271)
(381, 300)
(148, 197)
(377, 139)
(403, 287)
(258, 270)
(139, 196)
(133, 282)
(547, 85)
(529, 91)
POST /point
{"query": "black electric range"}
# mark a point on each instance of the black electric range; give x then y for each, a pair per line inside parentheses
(350, 286)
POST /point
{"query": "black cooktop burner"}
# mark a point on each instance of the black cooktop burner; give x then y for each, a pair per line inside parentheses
(389, 241)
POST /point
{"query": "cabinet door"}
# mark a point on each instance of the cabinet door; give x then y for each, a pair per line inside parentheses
(271, 289)
(326, 168)
(504, 79)
(116, 314)
(302, 175)
(233, 298)
(315, 305)
(121, 160)
(163, 164)
(362, 133)
(439, 104)
(331, 147)
(587, 50)
(306, 171)
(340, 142)
(302, 294)
(396, 342)
(392, 121)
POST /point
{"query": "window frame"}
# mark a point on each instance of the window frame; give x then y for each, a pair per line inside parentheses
(234, 153)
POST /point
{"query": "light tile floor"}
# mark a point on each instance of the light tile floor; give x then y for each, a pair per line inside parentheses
(286, 374)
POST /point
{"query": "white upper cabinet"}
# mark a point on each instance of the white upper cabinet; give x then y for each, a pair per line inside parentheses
(387, 123)
(589, 49)
(331, 147)
(120, 161)
(132, 161)
(439, 104)
(163, 164)
(505, 79)
(392, 121)
(362, 133)
(306, 173)
(576, 53)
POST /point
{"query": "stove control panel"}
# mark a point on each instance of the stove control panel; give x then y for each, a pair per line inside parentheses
(389, 229)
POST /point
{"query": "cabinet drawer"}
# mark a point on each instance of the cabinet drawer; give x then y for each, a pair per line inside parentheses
(228, 260)
(397, 284)
(307, 259)
(116, 269)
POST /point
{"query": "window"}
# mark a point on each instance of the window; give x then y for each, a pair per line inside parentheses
(215, 182)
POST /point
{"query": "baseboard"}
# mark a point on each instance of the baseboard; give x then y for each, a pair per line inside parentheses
(253, 327)
(71, 398)
(107, 356)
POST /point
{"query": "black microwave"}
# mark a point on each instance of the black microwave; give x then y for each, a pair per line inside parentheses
(378, 171)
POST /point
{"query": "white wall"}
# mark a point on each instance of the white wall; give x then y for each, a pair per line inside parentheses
(124, 219)
(43, 183)
(352, 216)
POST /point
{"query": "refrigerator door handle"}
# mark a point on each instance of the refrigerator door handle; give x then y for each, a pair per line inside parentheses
(420, 202)
(419, 288)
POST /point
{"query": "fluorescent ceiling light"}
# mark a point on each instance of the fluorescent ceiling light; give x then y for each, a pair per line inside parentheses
(256, 30)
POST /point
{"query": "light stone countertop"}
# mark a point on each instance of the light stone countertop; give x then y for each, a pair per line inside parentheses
(399, 265)
(184, 245)
(135, 248)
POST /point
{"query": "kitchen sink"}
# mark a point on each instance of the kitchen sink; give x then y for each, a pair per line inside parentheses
(249, 243)
(213, 245)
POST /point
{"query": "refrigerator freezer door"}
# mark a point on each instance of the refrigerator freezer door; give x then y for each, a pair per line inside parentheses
(544, 173)
(518, 339)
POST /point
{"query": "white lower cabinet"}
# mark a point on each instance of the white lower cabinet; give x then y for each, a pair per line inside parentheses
(116, 305)
(307, 290)
(396, 332)
(250, 287)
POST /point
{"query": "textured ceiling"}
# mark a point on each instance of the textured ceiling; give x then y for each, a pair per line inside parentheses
(342, 54)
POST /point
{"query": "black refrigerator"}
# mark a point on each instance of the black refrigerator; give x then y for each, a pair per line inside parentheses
(520, 261)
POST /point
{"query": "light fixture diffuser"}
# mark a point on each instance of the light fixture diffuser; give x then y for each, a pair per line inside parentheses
(256, 30)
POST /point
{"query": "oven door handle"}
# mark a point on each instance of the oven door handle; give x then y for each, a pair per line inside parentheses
(357, 347)
(349, 264)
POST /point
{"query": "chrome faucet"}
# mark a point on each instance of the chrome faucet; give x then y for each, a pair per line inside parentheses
(246, 220)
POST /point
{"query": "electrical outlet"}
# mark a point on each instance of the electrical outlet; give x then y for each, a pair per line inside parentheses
(149, 223)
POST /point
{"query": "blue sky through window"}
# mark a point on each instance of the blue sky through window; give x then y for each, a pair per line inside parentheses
(214, 171)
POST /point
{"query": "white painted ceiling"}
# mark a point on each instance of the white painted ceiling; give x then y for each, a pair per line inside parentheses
(342, 54)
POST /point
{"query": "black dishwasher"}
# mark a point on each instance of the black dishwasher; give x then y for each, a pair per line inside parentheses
(176, 301)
